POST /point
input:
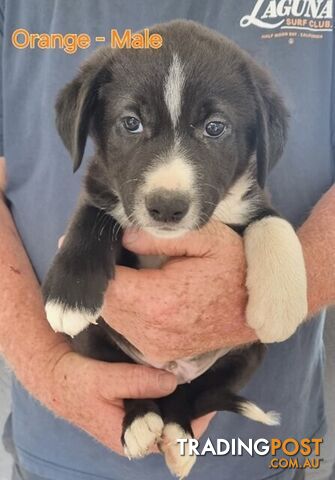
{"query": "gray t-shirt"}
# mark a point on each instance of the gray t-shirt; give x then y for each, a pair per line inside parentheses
(295, 41)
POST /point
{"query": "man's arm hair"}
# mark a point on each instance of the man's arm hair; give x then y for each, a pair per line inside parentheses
(317, 236)
(25, 336)
(3, 177)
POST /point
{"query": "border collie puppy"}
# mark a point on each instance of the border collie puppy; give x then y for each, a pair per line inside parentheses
(182, 134)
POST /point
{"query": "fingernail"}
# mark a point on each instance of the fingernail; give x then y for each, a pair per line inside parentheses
(130, 235)
(167, 382)
(61, 240)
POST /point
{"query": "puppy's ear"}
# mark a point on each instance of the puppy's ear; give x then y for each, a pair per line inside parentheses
(272, 120)
(76, 104)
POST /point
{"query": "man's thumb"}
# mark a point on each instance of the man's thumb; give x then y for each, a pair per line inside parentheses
(138, 381)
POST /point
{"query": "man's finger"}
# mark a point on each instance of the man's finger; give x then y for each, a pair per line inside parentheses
(124, 380)
(60, 241)
(193, 244)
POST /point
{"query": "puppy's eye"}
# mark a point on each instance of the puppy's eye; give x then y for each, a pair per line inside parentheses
(132, 124)
(215, 129)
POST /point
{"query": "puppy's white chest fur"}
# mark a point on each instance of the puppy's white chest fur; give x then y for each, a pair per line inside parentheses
(187, 369)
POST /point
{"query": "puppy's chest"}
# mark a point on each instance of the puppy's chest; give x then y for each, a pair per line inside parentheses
(186, 369)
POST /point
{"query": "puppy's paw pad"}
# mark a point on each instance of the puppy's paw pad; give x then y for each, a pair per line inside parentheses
(179, 465)
(142, 434)
(67, 320)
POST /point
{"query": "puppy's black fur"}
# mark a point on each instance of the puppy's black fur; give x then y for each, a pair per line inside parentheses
(218, 81)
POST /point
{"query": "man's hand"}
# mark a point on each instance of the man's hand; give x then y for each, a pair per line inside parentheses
(89, 393)
(194, 304)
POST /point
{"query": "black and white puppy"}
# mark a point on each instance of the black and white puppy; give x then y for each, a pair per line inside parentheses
(182, 134)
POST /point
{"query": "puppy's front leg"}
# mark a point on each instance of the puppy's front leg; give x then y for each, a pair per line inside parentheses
(77, 280)
(276, 279)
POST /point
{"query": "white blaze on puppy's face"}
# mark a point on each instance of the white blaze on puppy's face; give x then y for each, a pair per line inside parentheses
(174, 174)
(173, 89)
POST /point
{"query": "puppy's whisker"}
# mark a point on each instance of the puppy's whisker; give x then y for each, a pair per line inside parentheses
(107, 219)
(117, 231)
(99, 222)
(133, 220)
(113, 230)
(129, 181)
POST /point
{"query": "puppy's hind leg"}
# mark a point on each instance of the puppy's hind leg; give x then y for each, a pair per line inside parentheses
(176, 409)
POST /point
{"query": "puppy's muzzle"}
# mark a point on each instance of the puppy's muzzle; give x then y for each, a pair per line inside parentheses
(167, 206)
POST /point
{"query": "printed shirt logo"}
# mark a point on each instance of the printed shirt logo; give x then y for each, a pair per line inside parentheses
(309, 15)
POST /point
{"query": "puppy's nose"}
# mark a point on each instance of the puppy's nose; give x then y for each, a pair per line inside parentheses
(167, 206)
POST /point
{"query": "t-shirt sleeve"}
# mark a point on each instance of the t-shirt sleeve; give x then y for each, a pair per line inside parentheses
(1, 59)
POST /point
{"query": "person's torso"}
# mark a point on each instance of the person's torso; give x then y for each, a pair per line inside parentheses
(296, 45)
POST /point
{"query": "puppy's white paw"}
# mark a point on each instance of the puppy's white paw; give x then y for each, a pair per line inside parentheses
(67, 320)
(276, 279)
(179, 465)
(142, 434)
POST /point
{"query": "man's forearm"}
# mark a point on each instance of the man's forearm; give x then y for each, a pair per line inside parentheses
(26, 340)
(317, 236)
